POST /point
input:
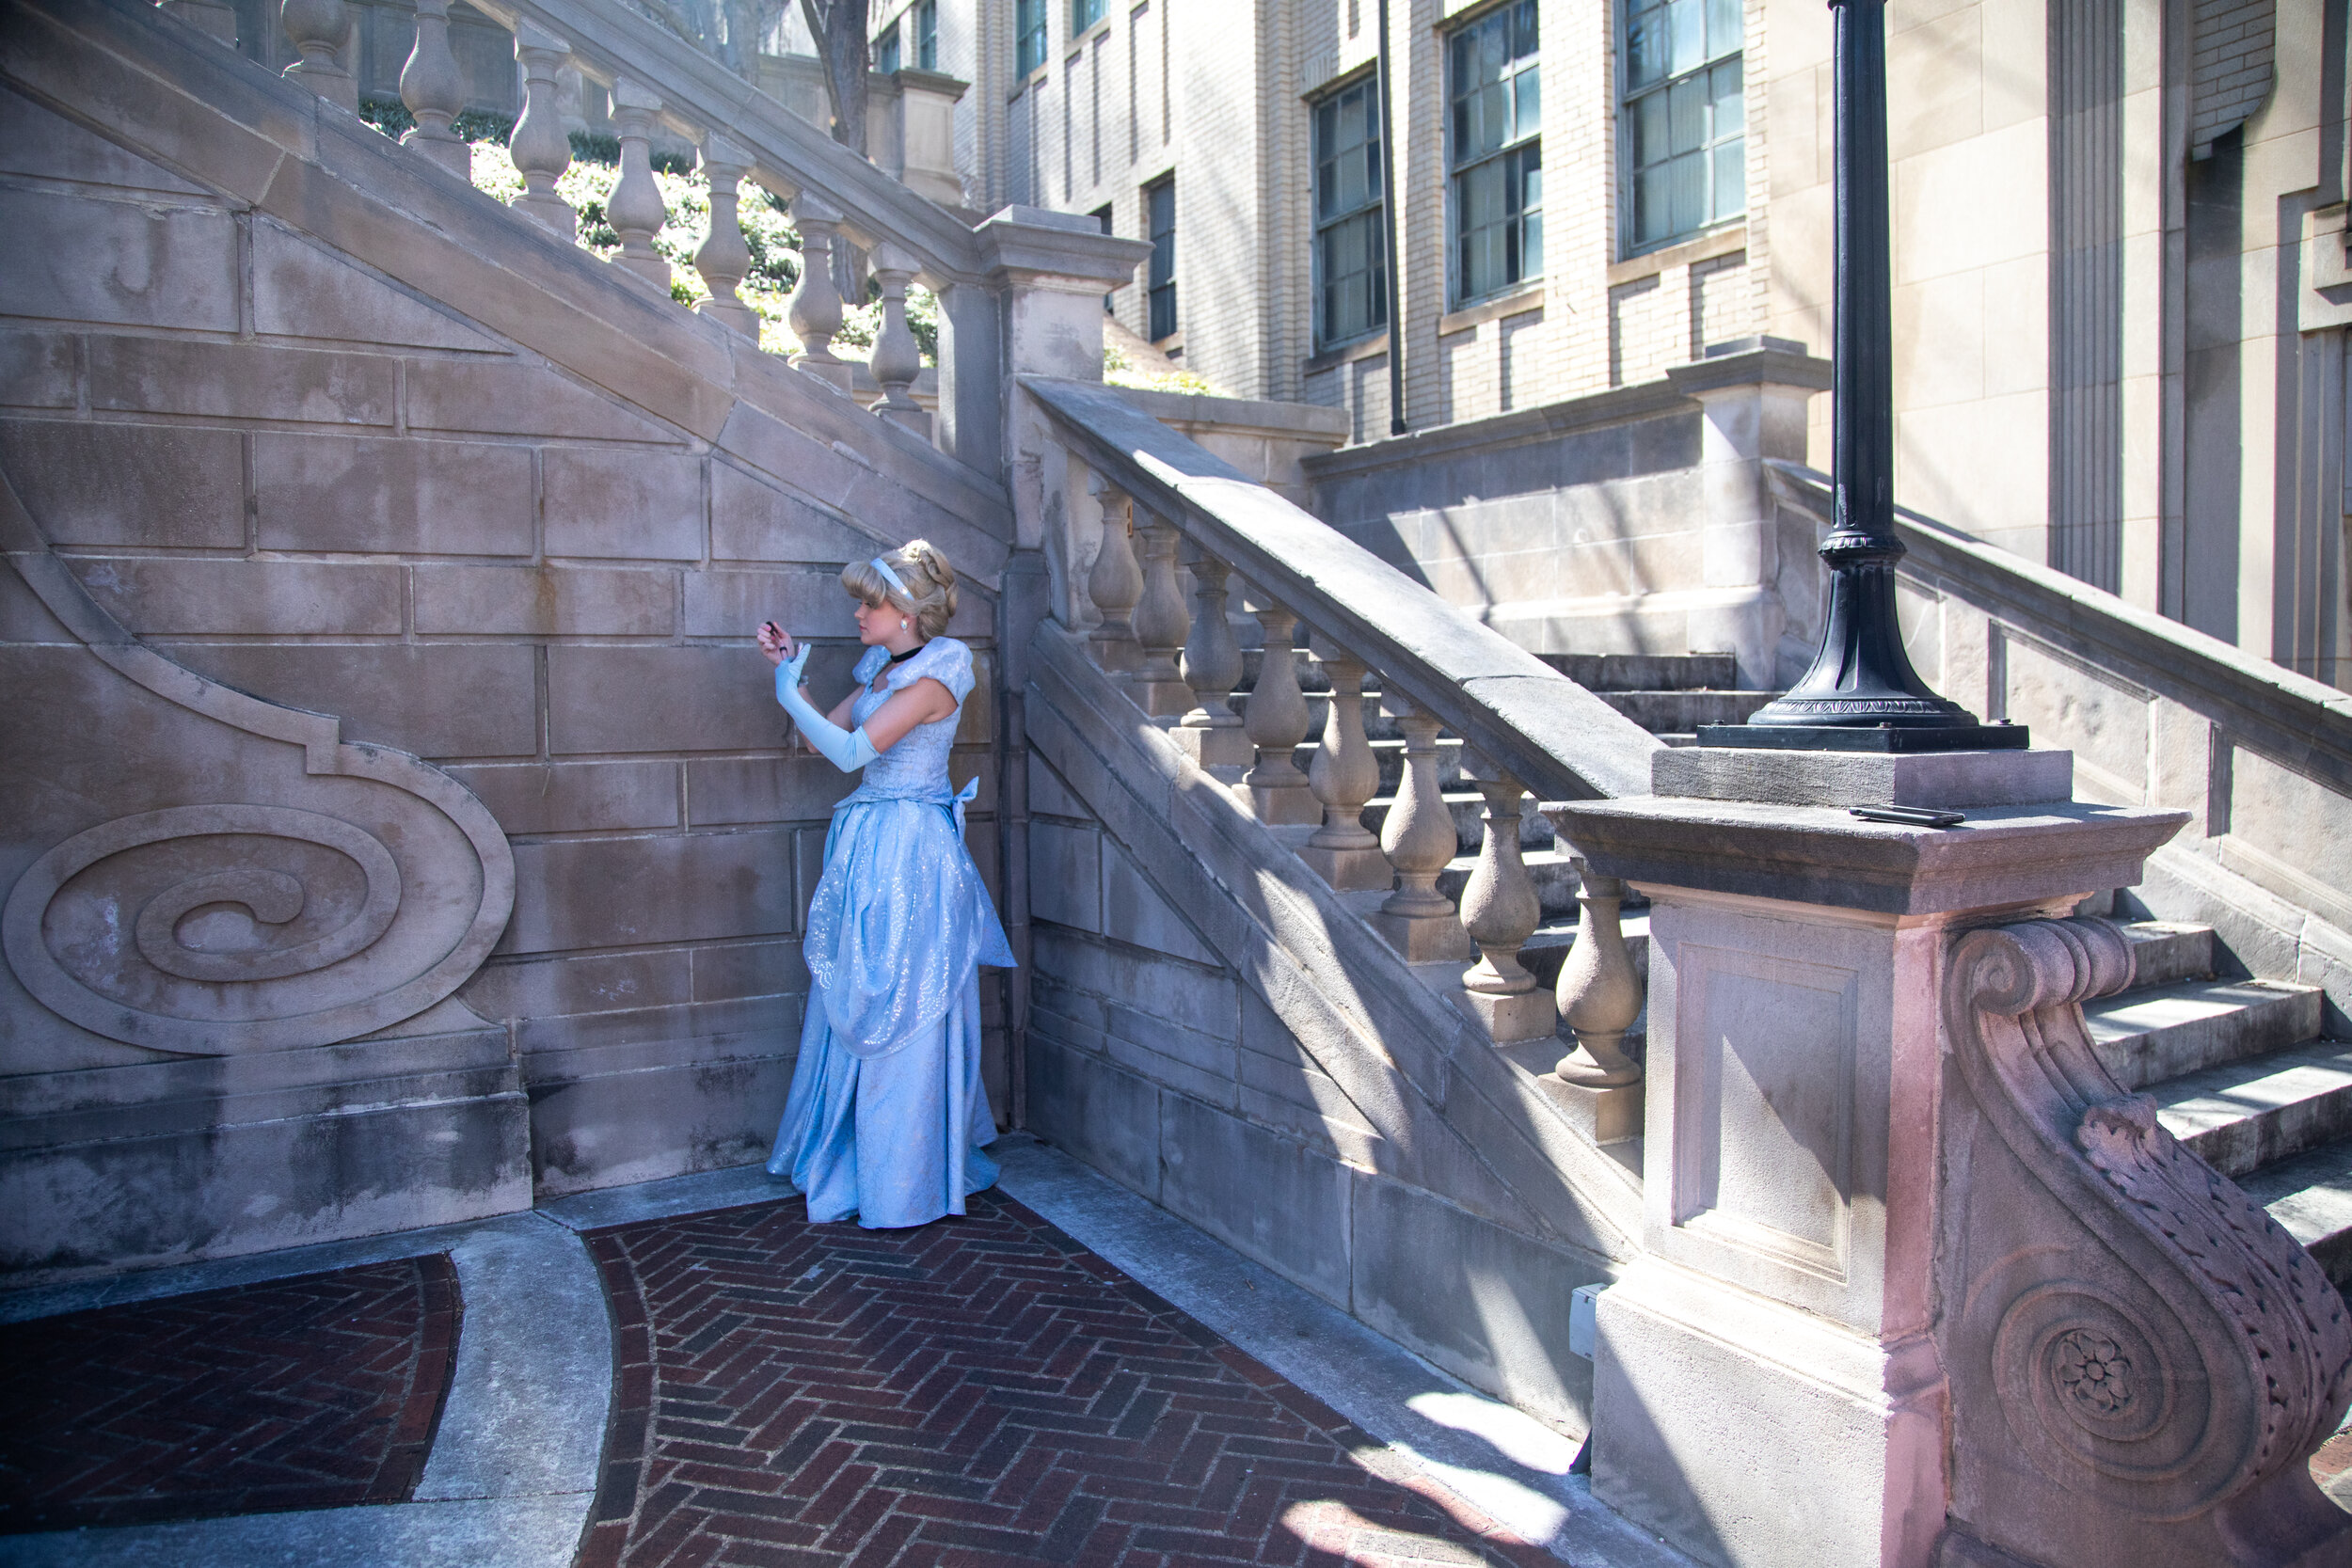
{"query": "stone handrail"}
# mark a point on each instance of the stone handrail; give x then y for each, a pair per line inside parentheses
(1506, 703)
(1437, 669)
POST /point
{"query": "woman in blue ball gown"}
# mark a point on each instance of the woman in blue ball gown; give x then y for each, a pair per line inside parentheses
(887, 1116)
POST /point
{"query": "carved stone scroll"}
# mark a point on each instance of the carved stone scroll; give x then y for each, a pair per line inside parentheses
(221, 874)
(2143, 1361)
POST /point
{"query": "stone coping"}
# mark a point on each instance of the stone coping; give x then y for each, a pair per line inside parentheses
(2010, 856)
(1619, 405)
(1305, 421)
(1558, 737)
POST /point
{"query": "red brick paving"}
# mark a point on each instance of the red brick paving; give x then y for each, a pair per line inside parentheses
(974, 1392)
(315, 1392)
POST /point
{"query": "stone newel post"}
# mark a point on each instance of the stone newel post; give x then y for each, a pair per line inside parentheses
(1888, 1192)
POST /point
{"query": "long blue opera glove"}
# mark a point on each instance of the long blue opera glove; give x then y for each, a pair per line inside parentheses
(848, 750)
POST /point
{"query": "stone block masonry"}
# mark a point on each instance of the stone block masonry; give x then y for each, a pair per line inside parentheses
(350, 440)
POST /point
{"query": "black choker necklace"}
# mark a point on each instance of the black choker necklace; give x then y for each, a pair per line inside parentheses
(901, 659)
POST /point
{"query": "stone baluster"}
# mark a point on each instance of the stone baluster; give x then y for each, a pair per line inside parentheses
(541, 148)
(897, 358)
(1277, 719)
(1499, 911)
(815, 309)
(435, 91)
(322, 31)
(1600, 996)
(1419, 840)
(1211, 731)
(1115, 583)
(1343, 776)
(724, 257)
(635, 209)
(1160, 625)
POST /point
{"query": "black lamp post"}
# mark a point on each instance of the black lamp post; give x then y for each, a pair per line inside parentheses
(1861, 693)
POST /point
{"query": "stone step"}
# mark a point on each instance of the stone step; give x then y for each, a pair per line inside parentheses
(2165, 951)
(1607, 672)
(2311, 1197)
(2152, 1033)
(2242, 1115)
(1681, 712)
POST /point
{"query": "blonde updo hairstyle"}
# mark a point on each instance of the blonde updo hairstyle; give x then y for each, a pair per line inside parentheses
(929, 599)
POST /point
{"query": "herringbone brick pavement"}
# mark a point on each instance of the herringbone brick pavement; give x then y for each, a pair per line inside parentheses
(974, 1392)
(315, 1392)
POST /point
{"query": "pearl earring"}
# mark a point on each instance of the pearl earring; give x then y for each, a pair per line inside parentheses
(903, 622)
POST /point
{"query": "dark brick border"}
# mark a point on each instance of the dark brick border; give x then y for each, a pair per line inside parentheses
(319, 1391)
(974, 1392)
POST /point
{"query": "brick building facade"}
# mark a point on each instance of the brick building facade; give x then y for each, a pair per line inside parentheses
(2117, 351)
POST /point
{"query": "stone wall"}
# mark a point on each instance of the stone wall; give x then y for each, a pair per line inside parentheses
(315, 423)
(1212, 1027)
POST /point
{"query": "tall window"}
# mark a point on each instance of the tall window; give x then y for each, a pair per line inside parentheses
(1030, 41)
(1351, 262)
(926, 35)
(1496, 153)
(1085, 14)
(1159, 202)
(1685, 118)
(886, 51)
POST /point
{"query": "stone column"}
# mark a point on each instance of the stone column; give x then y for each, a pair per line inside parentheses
(724, 257)
(1787, 1282)
(541, 148)
(636, 209)
(1277, 719)
(434, 90)
(815, 312)
(1501, 909)
(1115, 582)
(1753, 396)
(1419, 840)
(322, 31)
(1343, 776)
(1211, 731)
(898, 359)
(1161, 623)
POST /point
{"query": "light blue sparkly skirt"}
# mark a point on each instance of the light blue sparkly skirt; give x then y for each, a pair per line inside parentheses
(887, 1114)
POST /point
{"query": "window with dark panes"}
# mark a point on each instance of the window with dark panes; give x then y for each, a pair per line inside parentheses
(926, 35)
(1085, 14)
(1102, 215)
(1030, 41)
(1495, 152)
(886, 51)
(1684, 121)
(1351, 261)
(1159, 203)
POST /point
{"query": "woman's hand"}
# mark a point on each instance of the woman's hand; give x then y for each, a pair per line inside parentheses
(774, 642)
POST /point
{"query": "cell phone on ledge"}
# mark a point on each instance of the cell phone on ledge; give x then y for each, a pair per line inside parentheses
(1909, 816)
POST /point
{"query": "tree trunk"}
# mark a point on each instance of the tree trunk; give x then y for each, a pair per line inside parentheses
(839, 28)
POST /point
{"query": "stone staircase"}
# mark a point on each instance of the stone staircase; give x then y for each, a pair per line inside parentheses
(2241, 1069)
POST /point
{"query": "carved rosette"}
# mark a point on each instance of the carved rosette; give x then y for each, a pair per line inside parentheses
(2155, 1344)
(338, 890)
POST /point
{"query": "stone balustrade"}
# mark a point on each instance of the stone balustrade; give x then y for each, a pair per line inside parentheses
(741, 134)
(1183, 675)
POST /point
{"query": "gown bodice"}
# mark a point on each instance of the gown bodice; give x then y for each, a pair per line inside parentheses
(917, 768)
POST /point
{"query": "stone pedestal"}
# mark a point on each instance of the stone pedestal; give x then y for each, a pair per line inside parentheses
(1768, 1388)
(1221, 748)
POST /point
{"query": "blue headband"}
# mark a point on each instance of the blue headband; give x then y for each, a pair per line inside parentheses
(884, 567)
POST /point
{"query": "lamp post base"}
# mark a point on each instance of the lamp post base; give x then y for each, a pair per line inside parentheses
(1874, 737)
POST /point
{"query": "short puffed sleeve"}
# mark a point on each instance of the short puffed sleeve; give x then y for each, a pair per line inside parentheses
(868, 664)
(942, 659)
